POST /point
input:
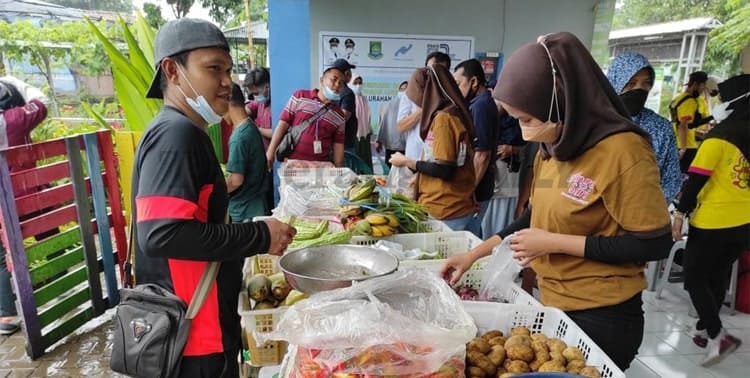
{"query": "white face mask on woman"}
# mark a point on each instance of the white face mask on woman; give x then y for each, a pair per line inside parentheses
(547, 132)
(720, 112)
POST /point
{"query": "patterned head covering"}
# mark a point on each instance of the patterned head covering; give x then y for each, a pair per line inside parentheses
(624, 67)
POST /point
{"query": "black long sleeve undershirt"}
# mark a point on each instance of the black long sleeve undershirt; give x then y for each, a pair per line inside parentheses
(622, 249)
(690, 190)
(441, 171)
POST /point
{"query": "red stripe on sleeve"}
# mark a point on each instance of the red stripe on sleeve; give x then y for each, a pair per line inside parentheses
(205, 194)
(164, 207)
(700, 171)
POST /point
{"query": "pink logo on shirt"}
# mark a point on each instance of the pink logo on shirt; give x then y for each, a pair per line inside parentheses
(579, 188)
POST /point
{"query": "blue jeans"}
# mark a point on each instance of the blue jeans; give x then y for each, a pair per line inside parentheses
(7, 298)
(475, 225)
(459, 224)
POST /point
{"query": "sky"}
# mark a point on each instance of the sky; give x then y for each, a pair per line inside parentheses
(196, 11)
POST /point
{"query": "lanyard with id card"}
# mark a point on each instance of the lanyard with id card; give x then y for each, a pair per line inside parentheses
(317, 144)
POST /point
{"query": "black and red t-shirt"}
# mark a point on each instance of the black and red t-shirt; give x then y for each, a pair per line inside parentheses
(180, 202)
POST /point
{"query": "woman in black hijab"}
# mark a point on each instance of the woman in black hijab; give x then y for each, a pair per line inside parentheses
(596, 212)
(716, 198)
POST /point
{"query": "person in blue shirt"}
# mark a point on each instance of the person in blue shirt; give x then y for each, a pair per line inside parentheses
(632, 77)
(471, 81)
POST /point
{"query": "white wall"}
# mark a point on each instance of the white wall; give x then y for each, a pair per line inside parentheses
(483, 19)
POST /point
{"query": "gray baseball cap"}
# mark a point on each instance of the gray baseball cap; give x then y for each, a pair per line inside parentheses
(182, 35)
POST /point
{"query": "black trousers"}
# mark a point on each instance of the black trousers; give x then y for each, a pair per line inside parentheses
(617, 329)
(709, 255)
(687, 159)
(217, 365)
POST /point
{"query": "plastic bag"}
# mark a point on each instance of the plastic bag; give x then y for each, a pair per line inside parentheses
(402, 180)
(397, 250)
(307, 201)
(499, 273)
(407, 323)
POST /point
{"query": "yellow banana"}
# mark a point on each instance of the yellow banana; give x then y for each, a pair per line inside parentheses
(384, 230)
(376, 219)
(392, 220)
(376, 232)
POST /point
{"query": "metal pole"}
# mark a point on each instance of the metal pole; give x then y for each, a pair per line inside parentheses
(679, 75)
(249, 31)
(703, 50)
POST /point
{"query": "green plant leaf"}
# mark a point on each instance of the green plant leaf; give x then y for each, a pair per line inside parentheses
(96, 116)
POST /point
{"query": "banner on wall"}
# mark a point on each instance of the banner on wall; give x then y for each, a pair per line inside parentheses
(386, 60)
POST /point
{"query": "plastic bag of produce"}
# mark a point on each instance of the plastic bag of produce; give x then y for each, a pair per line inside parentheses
(499, 273)
(312, 201)
(402, 180)
(409, 323)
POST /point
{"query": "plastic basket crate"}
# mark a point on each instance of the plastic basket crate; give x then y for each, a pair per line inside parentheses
(547, 320)
(445, 243)
(272, 352)
(316, 177)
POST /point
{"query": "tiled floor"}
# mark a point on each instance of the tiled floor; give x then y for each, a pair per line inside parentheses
(668, 351)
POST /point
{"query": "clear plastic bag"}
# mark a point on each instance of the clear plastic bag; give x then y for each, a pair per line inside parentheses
(321, 201)
(402, 180)
(499, 273)
(407, 323)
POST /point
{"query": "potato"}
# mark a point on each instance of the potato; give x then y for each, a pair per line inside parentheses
(575, 366)
(497, 355)
(497, 340)
(556, 345)
(481, 361)
(517, 340)
(557, 356)
(500, 371)
(539, 346)
(492, 334)
(520, 352)
(479, 345)
(475, 372)
(552, 366)
(572, 354)
(520, 331)
(539, 337)
(517, 366)
(590, 371)
(539, 359)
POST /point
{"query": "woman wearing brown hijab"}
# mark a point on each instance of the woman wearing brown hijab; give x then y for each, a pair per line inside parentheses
(597, 211)
(446, 175)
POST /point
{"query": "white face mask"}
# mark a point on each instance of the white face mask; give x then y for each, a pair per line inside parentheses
(357, 89)
(199, 105)
(547, 132)
(720, 112)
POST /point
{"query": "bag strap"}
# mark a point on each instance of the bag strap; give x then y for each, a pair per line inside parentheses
(201, 291)
(306, 123)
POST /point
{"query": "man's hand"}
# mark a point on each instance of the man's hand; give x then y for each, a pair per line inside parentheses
(504, 151)
(281, 236)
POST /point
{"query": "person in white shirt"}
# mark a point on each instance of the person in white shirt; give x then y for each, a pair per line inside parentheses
(409, 113)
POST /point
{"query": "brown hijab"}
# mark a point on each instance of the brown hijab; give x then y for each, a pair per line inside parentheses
(590, 110)
(435, 90)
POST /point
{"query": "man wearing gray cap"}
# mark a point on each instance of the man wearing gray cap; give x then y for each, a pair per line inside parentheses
(180, 195)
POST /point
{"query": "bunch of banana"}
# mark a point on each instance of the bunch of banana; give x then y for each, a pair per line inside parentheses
(351, 210)
(361, 192)
(382, 224)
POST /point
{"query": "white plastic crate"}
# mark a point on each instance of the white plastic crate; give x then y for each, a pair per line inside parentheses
(445, 243)
(272, 352)
(547, 320)
(472, 278)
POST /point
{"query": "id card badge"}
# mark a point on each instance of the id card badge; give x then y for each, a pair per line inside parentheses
(317, 147)
(461, 154)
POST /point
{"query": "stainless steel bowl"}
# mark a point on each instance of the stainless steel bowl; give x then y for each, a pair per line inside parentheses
(311, 270)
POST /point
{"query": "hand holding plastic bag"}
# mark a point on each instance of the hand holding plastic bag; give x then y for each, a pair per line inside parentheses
(402, 180)
(409, 322)
(499, 273)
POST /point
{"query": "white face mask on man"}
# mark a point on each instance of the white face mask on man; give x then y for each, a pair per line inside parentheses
(199, 104)
(547, 132)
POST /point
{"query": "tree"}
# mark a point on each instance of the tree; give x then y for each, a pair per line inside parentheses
(54, 44)
(102, 5)
(180, 7)
(722, 53)
(153, 15)
(258, 12)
